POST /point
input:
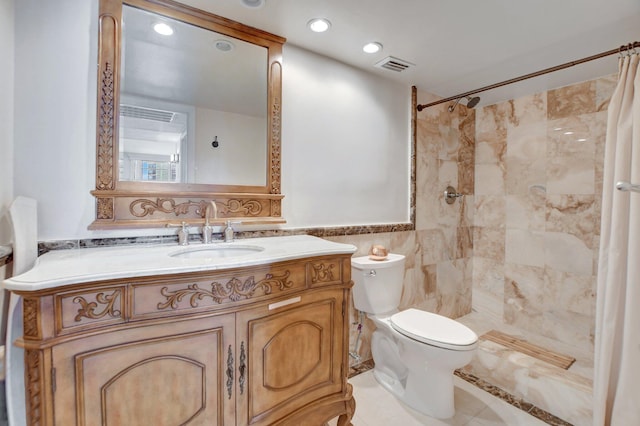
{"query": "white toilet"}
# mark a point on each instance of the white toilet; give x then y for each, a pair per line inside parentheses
(415, 352)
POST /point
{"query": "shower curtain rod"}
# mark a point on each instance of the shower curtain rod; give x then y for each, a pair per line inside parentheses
(620, 50)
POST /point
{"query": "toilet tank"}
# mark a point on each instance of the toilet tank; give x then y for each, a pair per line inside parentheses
(377, 287)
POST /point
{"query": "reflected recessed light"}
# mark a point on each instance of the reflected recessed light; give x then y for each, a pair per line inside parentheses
(568, 133)
(224, 45)
(319, 25)
(254, 4)
(582, 140)
(162, 28)
(373, 47)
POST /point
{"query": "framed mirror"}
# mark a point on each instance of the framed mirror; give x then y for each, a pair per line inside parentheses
(188, 113)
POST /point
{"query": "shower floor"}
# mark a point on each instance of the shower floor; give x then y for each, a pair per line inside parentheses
(566, 394)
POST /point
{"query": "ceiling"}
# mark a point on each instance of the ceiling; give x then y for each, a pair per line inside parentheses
(458, 45)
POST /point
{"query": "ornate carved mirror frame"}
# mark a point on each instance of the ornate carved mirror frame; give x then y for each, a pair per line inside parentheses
(121, 204)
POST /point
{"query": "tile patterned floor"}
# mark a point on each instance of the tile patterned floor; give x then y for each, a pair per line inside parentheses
(474, 407)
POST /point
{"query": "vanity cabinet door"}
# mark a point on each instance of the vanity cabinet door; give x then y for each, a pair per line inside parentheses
(164, 374)
(292, 354)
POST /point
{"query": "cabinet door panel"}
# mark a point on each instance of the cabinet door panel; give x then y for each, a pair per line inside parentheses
(300, 341)
(174, 379)
(293, 356)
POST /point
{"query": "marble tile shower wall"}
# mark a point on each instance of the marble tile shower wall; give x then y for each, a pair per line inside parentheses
(524, 240)
(438, 269)
(538, 186)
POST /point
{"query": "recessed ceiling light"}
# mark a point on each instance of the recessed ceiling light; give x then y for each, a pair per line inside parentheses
(373, 47)
(254, 4)
(224, 45)
(162, 28)
(319, 25)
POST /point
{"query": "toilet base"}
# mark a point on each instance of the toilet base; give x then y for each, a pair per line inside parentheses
(429, 394)
(419, 375)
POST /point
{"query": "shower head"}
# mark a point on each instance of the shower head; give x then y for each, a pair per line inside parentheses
(471, 102)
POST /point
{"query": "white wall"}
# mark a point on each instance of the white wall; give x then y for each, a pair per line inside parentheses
(55, 97)
(345, 132)
(237, 160)
(345, 144)
(6, 115)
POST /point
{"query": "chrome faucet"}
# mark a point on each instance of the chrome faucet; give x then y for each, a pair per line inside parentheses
(207, 229)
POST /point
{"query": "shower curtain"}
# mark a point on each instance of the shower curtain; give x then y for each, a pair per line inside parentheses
(616, 392)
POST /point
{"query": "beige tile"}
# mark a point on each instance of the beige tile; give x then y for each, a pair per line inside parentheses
(490, 211)
(528, 141)
(527, 211)
(377, 407)
(567, 253)
(525, 247)
(489, 243)
(571, 100)
(489, 179)
(522, 175)
(571, 175)
(527, 109)
(571, 214)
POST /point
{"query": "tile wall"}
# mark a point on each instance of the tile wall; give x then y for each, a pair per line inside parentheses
(538, 185)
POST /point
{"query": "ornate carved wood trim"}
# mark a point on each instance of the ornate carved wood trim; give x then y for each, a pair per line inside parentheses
(104, 148)
(233, 290)
(276, 118)
(31, 318)
(117, 209)
(131, 204)
(88, 309)
(33, 385)
(322, 273)
(226, 208)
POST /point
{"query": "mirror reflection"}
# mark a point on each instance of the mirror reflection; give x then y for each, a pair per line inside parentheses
(193, 104)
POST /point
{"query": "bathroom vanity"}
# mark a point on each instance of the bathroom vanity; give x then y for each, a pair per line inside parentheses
(254, 332)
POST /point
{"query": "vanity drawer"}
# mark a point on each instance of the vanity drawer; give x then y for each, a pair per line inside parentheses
(212, 291)
(90, 308)
(327, 271)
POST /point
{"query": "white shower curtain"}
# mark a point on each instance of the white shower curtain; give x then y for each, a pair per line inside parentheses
(616, 393)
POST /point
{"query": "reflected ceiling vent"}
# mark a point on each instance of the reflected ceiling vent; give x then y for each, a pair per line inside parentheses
(394, 64)
(146, 113)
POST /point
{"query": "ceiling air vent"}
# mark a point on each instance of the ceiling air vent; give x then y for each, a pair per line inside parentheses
(146, 113)
(394, 64)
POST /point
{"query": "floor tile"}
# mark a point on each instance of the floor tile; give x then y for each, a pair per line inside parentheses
(474, 407)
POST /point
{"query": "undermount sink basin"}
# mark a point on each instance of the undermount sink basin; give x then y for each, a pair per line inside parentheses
(216, 252)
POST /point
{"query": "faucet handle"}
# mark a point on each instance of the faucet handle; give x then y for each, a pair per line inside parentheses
(228, 231)
(183, 232)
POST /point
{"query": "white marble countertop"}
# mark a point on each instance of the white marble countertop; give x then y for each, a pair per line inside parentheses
(63, 267)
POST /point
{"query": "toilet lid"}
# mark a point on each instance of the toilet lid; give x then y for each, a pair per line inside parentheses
(434, 329)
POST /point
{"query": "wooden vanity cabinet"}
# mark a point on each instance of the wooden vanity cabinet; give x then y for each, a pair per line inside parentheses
(264, 345)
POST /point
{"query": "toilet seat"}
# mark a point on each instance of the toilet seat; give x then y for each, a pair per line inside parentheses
(434, 329)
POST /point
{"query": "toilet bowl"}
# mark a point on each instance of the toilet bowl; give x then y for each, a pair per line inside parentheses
(415, 352)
